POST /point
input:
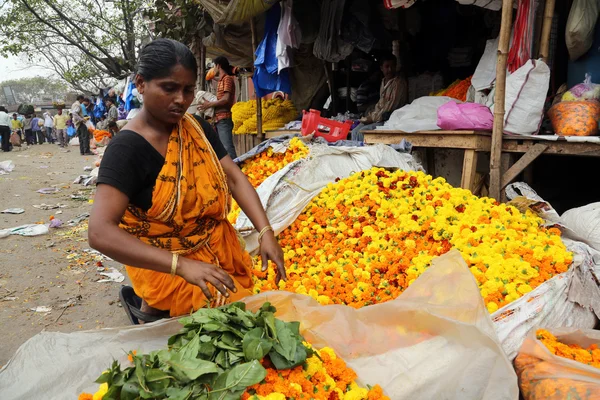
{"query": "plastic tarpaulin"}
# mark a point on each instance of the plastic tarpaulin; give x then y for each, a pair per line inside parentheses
(435, 341)
(235, 11)
(266, 77)
(233, 42)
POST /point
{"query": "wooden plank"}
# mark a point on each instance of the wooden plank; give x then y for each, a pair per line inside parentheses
(472, 142)
(500, 97)
(438, 132)
(559, 148)
(469, 169)
(280, 132)
(523, 162)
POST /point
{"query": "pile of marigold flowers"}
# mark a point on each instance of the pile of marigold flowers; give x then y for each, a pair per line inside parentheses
(265, 164)
(324, 377)
(377, 231)
(589, 356)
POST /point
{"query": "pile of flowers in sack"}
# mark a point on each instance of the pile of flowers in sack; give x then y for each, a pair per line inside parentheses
(265, 164)
(231, 353)
(275, 114)
(377, 231)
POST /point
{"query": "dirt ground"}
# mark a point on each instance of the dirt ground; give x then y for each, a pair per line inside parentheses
(51, 270)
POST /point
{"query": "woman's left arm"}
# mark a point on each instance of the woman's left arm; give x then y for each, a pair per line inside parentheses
(248, 200)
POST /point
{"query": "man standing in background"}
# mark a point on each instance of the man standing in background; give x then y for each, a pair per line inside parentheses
(113, 113)
(28, 131)
(5, 128)
(17, 125)
(36, 130)
(78, 120)
(48, 125)
(60, 124)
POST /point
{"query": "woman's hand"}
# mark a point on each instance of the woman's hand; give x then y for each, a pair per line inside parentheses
(270, 250)
(201, 274)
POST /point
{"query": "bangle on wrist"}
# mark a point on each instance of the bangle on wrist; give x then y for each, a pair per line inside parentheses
(263, 231)
(174, 264)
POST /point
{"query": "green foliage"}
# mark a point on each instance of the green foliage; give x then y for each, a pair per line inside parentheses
(85, 42)
(182, 20)
(26, 89)
(216, 356)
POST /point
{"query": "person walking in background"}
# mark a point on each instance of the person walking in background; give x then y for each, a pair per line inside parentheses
(60, 124)
(113, 112)
(17, 125)
(5, 128)
(79, 122)
(225, 100)
(48, 125)
(36, 130)
(28, 131)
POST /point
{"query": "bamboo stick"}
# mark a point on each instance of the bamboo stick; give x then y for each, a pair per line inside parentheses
(259, 121)
(546, 30)
(499, 99)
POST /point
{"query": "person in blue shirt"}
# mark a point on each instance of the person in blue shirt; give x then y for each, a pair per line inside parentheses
(36, 128)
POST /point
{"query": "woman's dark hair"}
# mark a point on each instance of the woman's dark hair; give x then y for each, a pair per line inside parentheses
(159, 56)
(223, 62)
(2, 108)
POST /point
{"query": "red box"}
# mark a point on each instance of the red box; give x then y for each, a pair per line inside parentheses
(330, 130)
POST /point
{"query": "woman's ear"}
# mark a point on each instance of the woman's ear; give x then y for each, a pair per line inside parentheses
(140, 83)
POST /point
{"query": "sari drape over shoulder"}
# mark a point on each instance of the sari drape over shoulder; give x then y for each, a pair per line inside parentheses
(188, 216)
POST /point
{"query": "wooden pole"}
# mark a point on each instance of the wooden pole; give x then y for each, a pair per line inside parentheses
(546, 30)
(259, 131)
(498, 128)
(348, 88)
(202, 66)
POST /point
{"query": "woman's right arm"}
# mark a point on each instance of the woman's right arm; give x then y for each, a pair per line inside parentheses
(105, 236)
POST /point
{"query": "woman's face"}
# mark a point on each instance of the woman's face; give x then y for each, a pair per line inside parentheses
(167, 99)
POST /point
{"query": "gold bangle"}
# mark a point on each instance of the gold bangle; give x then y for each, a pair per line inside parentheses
(174, 264)
(263, 231)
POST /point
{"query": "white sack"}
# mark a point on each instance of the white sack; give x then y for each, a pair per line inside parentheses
(526, 91)
(435, 341)
(285, 193)
(585, 221)
(420, 115)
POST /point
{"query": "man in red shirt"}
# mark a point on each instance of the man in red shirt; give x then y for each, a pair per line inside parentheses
(225, 100)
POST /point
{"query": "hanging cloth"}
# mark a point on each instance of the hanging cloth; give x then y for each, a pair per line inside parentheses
(329, 46)
(267, 78)
(288, 35)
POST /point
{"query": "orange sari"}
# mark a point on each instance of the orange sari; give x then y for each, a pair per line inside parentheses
(188, 216)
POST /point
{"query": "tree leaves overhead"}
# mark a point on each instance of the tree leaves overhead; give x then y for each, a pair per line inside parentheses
(216, 356)
(26, 89)
(86, 42)
(182, 20)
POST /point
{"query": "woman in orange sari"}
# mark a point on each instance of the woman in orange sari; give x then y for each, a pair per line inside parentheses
(164, 191)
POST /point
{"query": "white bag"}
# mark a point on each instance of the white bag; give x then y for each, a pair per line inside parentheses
(585, 221)
(526, 91)
(581, 25)
(435, 341)
(485, 73)
(420, 115)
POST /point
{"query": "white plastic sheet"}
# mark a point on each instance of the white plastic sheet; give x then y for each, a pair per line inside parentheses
(581, 25)
(6, 167)
(585, 221)
(420, 115)
(285, 193)
(436, 341)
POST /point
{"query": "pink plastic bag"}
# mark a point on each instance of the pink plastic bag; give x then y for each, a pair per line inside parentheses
(454, 116)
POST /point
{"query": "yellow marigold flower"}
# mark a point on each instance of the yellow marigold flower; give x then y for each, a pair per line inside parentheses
(101, 391)
(356, 394)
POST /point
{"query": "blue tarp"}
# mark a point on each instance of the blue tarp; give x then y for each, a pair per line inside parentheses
(266, 79)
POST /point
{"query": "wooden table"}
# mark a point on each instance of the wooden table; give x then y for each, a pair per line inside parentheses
(473, 142)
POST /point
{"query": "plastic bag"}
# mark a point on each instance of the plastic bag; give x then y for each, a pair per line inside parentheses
(575, 118)
(436, 341)
(420, 115)
(453, 116)
(581, 24)
(235, 11)
(585, 221)
(545, 376)
(584, 91)
(71, 131)
(526, 91)
(6, 167)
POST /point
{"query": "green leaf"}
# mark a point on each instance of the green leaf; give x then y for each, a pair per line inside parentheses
(255, 345)
(155, 375)
(130, 391)
(191, 368)
(139, 373)
(190, 350)
(286, 343)
(179, 393)
(207, 351)
(269, 319)
(244, 375)
(281, 363)
(221, 359)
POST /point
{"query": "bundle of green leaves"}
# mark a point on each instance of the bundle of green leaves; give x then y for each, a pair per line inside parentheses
(216, 356)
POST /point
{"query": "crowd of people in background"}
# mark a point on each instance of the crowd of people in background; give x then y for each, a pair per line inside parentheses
(60, 125)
